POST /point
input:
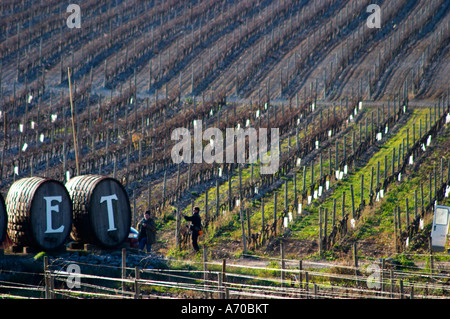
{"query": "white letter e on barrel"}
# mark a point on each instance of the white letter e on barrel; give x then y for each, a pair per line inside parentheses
(49, 210)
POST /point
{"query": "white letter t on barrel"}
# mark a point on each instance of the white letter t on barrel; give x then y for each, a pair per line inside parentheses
(109, 206)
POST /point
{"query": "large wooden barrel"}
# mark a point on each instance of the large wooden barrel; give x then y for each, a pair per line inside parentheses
(101, 208)
(39, 213)
(3, 219)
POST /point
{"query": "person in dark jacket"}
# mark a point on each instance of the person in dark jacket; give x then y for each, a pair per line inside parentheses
(196, 227)
(147, 232)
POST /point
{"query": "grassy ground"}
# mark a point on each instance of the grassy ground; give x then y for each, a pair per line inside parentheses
(376, 222)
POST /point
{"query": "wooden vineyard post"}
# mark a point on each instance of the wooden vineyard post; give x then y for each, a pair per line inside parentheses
(415, 203)
(382, 274)
(448, 172)
(407, 213)
(240, 185)
(134, 216)
(177, 231)
(385, 167)
(164, 189)
(295, 193)
(124, 268)
(431, 259)
(377, 187)
(230, 200)
(421, 203)
(355, 255)
(320, 232)
(300, 274)
(285, 195)
(205, 266)
(435, 185)
(137, 291)
(244, 240)
(217, 198)
(334, 212)
(224, 278)
(325, 227)
(401, 289)
(345, 150)
(283, 263)
(353, 144)
(73, 125)
(371, 187)
(189, 177)
(361, 205)
(115, 167)
(360, 132)
(393, 160)
(366, 129)
(431, 192)
(420, 126)
(329, 164)
(355, 258)
(321, 167)
(249, 229)
(392, 282)
(46, 278)
(304, 179)
(263, 226)
(64, 162)
(407, 140)
(395, 229)
(353, 200)
(307, 284)
(206, 205)
(275, 213)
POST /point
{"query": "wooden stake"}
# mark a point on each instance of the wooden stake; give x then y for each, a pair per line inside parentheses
(73, 124)
(244, 241)
(124, 267)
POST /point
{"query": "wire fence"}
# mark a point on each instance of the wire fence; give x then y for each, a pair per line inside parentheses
(268, 278)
